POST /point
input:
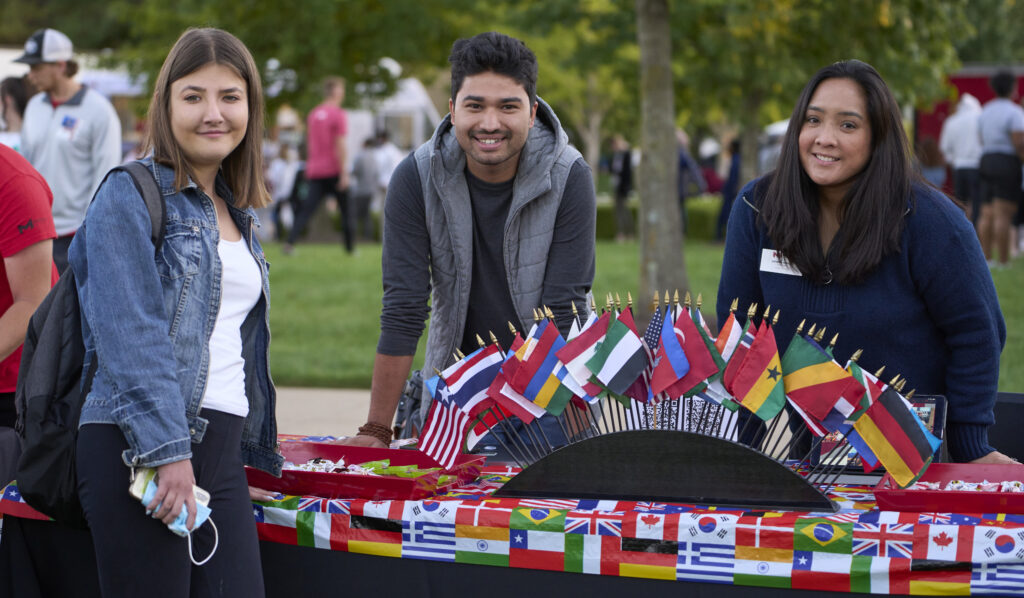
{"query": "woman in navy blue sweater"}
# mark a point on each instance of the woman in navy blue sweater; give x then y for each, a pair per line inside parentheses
(847, 235)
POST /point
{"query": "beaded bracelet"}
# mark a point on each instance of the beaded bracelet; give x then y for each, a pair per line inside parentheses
(378, 431)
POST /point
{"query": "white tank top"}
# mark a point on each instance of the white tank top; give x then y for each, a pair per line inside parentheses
(240, 288)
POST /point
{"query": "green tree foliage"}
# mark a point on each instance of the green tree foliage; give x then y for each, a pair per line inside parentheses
(747, 61)
(992, 32)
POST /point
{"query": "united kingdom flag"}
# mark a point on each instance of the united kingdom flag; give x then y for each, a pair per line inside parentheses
(940, 518)
(892, 540)
(595, 523)
(661, 507)
(335, 506)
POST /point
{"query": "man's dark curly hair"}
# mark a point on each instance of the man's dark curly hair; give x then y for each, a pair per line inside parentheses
(497, 53)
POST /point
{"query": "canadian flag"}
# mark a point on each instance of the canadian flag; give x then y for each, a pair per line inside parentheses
(938, 542)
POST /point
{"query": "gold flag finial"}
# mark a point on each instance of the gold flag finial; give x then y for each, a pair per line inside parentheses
(593, 304)
(675, 298)
(800, 327)
(438, 372)
(480, 341)
(655, 303)
(550, 314)
(494, 339)
(629, 299)
(832, 343)
(512, 329)
(735, 304)
(819, 335)
(666, 298)
(910, 394)
(460, 354)
(775, 318)
(767, 312)
(901, 385)
(700, 300)
(894, 381)
(856, 355)
(878, 374)
(810, 331)
(618, 302)
(751, 311)
(574, 312)
(686, 300)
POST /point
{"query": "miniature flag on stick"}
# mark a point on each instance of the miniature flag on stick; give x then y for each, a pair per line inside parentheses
(758, 383)
(670, 363)
(814, 381)
(469, 379)
(444, 430)
(621, 358)
(577, 352)
(897, 437)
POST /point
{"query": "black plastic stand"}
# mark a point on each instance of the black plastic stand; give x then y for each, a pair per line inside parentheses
(669, 466)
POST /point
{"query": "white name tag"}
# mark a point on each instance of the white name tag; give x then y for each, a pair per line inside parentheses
(774, 261)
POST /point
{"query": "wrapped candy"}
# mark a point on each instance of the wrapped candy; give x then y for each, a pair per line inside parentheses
(1012, 486)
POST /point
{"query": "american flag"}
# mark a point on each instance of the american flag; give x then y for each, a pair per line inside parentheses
(444, 430)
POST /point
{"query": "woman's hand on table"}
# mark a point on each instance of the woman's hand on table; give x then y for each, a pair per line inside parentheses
(367, 441)
(261, 495)
(996, 458)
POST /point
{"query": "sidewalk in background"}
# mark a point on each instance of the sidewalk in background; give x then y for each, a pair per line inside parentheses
(321, 411)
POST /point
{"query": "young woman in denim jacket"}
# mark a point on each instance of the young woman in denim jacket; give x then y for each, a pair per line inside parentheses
(181, 340)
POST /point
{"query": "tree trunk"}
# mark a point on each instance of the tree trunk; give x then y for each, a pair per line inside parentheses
(661, 237)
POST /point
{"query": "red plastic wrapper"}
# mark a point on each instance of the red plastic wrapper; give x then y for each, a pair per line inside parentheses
(350, 485)
(890, 497)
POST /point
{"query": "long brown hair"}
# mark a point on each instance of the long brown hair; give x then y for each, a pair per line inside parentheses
(872, 212)
(243, 167)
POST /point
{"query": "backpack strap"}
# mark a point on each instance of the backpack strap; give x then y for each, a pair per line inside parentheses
(145, 183)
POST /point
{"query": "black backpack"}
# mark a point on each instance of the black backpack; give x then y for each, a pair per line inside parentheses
(51, 389)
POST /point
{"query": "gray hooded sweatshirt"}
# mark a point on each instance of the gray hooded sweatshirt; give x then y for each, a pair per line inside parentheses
(547, 241)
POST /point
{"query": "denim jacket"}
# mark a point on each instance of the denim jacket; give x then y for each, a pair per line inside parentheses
(148, 321)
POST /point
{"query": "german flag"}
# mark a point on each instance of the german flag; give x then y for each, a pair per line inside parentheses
(894, 434)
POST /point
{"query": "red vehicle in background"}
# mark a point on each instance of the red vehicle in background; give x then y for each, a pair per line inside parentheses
(972, 79)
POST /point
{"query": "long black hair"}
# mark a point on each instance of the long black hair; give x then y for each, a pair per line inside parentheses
(872, 212)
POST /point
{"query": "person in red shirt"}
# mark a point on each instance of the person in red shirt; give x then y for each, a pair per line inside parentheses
(26, 274)
(326, 170)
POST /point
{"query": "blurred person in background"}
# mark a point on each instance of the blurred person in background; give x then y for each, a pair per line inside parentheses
(14, 95)
(365, 179)
(1001, 130)
(70, 133)
(961, 147)
(621, 168)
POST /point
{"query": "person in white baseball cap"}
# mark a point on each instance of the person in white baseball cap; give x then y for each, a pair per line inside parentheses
(46, 45)
(70, 133)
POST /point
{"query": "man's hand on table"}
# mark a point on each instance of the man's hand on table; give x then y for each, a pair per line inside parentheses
(996, 458)
(367, 441)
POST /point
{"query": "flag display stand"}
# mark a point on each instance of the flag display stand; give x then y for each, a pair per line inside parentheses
(670, 466)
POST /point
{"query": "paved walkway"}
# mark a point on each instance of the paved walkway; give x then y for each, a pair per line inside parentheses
(321, 411)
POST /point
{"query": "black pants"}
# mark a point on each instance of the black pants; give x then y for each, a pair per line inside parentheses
(316, 191)
(966, 188)
(137, 555)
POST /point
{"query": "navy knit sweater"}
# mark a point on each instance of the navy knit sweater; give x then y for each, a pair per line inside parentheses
(929, 313)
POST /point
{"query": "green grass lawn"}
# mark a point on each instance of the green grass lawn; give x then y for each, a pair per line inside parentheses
(326, 308)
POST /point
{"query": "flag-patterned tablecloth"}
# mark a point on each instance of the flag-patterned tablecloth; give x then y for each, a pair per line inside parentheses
(859, 549)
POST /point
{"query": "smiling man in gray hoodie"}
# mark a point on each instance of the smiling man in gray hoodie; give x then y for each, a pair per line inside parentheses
(491, 218)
